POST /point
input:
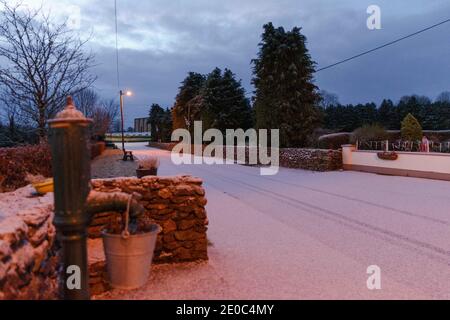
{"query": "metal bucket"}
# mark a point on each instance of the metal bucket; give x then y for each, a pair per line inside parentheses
(129, 257)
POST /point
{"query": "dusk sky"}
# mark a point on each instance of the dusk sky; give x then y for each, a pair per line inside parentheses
(160, 41)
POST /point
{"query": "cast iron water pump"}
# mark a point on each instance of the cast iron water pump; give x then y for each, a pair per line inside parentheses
(70, 148)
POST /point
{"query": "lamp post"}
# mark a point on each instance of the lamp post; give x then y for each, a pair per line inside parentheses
(71, 167)
(126, 93)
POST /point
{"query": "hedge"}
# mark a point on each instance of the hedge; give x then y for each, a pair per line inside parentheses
(334, 140)
(16, 162)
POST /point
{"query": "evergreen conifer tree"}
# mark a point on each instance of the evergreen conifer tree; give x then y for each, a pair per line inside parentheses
(411, 129)
(286, 97)
(225, 104)
(183, 115)
(160, 121)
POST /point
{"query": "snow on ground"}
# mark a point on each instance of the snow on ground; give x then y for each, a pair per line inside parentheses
(307, 235)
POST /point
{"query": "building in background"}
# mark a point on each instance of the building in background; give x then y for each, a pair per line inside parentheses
(141, 125)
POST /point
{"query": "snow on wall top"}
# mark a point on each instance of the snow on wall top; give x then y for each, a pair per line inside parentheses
(11, 203)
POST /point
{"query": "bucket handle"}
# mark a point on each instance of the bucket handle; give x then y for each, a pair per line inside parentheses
(125, 232)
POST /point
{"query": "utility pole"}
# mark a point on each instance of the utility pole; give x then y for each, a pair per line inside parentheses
(126, 154)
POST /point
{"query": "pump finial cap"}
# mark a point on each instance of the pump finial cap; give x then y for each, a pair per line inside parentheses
(69, 114)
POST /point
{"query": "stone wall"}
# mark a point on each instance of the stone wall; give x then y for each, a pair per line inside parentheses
(311, 159)
(28, 250)
(177, 204)
(302, 158)
(28, 260)
(162, 145)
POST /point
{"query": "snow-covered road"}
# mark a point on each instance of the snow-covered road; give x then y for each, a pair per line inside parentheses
(308, 235)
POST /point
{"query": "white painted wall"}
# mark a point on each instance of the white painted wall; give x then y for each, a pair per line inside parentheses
(418, 161)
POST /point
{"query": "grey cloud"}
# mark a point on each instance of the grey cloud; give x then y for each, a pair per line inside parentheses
(174, 37)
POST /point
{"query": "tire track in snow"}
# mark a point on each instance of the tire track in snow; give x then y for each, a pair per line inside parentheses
(328, 214)
(376, 205)
(337, 216)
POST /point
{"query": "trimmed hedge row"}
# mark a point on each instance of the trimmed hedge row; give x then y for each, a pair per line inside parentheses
(17, 162)
(336, 140)
(97, 148)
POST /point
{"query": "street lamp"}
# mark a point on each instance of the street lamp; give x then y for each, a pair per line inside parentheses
(126, 154)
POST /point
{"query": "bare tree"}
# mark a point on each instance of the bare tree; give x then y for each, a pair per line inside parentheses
(328, 99)
(103, 111)
(104, 116)
(45, 62)
(116, 126)
(87, 101)
(443, 97)
(112, 108)
(9, 113)
(17, 128)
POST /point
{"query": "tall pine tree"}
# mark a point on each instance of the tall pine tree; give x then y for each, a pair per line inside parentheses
(225, 104)
(286, 97)
(185, 111)
(160, 121)
(387, 115)
(217, 99)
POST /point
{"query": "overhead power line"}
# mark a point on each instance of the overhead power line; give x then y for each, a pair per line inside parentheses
(383, 46)
(117, 45)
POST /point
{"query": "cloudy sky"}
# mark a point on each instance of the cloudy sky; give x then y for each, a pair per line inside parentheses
(161, 40)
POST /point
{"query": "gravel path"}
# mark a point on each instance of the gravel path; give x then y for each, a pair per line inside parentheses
(110, 164)
(306, 235)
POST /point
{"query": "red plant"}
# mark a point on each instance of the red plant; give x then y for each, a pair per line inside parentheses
(387, 155)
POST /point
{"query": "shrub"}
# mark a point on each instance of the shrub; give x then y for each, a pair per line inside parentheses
(334, 140)
(437, 135)
(394, 135)
(148, 162)
(16, 163)
(312, 140)
(411, 129)
(372, 132)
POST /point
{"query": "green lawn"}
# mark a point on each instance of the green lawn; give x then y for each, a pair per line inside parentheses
(127, 139)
